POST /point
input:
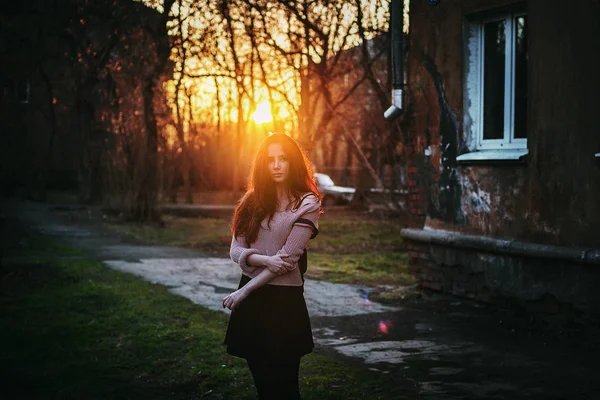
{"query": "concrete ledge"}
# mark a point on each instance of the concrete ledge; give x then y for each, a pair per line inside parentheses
(509, 155)
(512, 247)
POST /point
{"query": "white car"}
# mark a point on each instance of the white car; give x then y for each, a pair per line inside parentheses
(333, 194)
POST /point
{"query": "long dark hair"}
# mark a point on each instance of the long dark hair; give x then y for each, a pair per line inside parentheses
(260, 200)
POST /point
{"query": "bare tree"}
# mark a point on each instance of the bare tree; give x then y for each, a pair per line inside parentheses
(146, 200)
(246, 53)
(89, 56)
(183, 41)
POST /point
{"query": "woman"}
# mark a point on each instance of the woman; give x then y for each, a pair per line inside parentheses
(272, 224)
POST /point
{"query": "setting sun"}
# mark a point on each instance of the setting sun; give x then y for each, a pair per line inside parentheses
(262, 113)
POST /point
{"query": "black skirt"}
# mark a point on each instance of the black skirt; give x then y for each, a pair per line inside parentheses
(272, 322)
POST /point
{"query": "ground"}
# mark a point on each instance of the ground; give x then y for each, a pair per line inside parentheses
(432, 346)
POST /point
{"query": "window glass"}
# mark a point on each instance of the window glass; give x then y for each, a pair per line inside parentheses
(494, 79)
(521, 78)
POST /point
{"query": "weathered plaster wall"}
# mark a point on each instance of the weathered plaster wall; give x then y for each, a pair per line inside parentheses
(564, 177)
(553, 197)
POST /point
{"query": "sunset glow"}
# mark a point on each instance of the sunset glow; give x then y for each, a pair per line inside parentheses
(263, 113)
(208, 89)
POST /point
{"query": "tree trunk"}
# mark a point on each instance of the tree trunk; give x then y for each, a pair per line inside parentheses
(85, 115)
(146, 200)
(53, 129)
(235, 181)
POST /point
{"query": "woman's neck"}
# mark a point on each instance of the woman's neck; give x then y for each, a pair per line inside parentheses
(283, 197)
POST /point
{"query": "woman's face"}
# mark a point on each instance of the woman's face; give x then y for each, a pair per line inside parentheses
(278, 163)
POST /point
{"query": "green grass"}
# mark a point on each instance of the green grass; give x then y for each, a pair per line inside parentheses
(349, 249)
(73, 329)
(373, 268)
(345, 234)
(211, 235)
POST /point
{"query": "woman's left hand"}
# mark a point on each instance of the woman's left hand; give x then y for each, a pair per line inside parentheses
(234, 299)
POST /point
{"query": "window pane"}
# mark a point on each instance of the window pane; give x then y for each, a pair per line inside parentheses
(493, 80)
(521, 77)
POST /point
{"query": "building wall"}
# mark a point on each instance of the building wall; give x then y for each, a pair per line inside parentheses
(552, 197)
(26, 118)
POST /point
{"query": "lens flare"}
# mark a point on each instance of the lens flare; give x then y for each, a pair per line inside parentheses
(384, 327)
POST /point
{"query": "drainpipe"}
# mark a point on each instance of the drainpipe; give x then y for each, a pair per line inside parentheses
(396, 23)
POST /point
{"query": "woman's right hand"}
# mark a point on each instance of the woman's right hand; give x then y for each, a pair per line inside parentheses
(277, 265)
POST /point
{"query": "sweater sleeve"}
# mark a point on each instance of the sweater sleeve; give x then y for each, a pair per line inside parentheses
(310, 210)
(239, 253)
(305, 227)
(296, 243)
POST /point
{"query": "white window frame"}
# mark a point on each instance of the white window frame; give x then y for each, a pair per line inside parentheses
(513, 147)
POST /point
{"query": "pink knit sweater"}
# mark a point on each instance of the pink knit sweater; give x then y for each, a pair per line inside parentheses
(284, 235)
